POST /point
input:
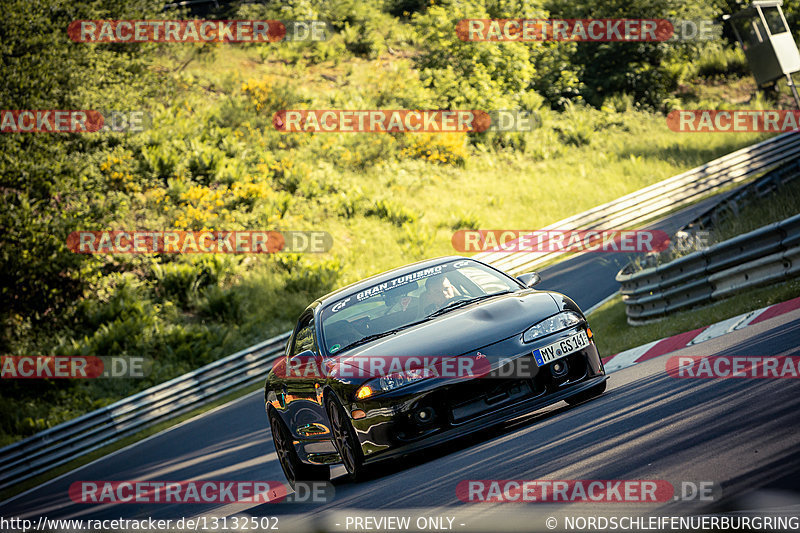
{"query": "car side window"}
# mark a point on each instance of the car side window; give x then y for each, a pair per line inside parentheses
(304, 340)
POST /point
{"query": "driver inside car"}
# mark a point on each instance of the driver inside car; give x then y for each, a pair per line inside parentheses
(438, 293)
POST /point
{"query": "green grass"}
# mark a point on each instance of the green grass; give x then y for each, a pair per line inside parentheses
(545, 182)
(383, 207)
(613, 334)
(210, 159)
(777, 206)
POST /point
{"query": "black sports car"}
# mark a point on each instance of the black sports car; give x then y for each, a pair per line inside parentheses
(418, 356)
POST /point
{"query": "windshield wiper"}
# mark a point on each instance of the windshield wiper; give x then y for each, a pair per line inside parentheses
(461, 303)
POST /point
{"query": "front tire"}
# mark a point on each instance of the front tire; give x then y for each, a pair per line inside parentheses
(588, 394)
(345, 439)
(293, 468)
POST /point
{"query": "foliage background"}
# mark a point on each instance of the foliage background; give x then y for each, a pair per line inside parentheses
(210, 159)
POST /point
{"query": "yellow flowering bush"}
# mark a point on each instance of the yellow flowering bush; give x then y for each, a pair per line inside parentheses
(118, 171)
(258, 91)
(250, 191)
(268, 96)
(442, 148)
(201, 207)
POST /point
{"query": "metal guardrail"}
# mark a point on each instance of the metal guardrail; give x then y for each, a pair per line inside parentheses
(762, 256)
(65, 442)
(658, 199)
(731, 203)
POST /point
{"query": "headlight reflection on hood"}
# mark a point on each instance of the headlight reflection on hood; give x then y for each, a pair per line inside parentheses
(561, 321)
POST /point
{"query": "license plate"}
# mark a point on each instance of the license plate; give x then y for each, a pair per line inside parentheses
(559, 349)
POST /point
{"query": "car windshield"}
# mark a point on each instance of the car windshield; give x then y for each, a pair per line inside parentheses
(405, 300)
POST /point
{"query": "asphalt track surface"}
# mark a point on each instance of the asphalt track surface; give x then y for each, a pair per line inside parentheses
(741, 434)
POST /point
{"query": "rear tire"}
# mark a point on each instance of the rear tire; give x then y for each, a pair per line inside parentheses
(588, 394)
(345, 439)
(294, 469)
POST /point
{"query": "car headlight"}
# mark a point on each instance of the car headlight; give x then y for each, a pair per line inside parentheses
(561, 321)
(392, 381)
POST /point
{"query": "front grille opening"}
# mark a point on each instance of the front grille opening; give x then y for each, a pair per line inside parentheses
(498, 394)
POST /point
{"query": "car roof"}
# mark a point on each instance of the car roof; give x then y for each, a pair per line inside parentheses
(384, 276)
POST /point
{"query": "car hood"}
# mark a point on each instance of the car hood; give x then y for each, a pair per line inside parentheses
(464, 330)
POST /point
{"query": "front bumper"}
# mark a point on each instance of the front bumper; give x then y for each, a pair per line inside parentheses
(435, 411)
(398, 448)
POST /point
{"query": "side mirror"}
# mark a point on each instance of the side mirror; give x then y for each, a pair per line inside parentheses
(305, 364)
(530, 279)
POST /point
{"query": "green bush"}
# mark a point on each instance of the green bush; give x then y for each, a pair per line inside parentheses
(180, 282)
(363, 41)
(212, 159)
(302, 276)
(221, 305)
(473, 75)
(351, 203)
(643, 70)
(618, 103)
(465, 221)
(721, 62)
(559, 77)
(577, 126)
(391, 212)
